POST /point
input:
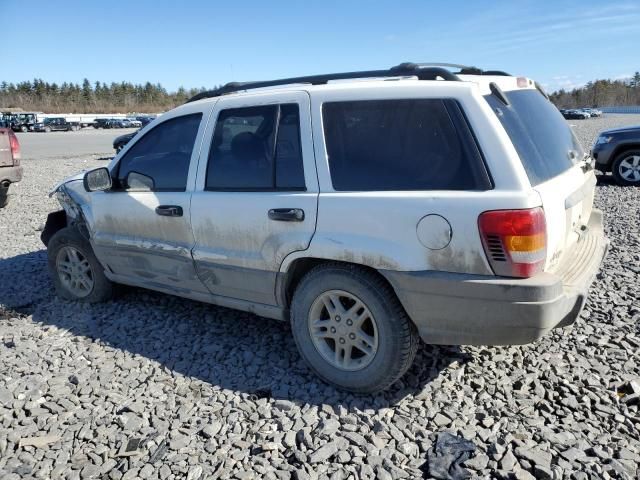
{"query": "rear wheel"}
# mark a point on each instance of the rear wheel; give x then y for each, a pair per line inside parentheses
(4, 196)
(626, 168)
(47, 129)
(75, 271)
(24, 129)
(351, 329)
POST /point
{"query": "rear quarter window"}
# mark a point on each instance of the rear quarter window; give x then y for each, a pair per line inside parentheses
(544, 141)
(407, 144)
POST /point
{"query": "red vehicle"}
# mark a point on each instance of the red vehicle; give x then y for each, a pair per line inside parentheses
(10, 169)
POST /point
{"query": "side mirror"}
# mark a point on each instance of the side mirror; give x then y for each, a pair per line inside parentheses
(139, 182)
(97, 180)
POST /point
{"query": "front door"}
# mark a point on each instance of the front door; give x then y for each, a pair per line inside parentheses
(142, 228)
(256, 194)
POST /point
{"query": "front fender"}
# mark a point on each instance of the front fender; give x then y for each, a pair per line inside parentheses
(76, 202)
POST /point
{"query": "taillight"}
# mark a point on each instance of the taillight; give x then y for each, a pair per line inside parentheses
(15, 147)
(515, 241)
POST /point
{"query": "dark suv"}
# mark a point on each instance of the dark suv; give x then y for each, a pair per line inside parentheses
(101, 123)
(618, 151)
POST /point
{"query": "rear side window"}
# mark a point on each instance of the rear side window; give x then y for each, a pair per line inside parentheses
(544, 141)
(421, 144)
(256, 148)
(163, 154)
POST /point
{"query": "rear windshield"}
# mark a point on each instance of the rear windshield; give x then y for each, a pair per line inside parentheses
(541, 136)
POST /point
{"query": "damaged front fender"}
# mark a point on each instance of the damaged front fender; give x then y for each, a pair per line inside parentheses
(76, 204)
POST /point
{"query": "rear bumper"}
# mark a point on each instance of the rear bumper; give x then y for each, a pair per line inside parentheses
(10, 174)
(460, 309)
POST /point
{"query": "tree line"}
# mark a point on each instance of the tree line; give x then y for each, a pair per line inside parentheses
(103, 97)
(600, 93)
(98, 97)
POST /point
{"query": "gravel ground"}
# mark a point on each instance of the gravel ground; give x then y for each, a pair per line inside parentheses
(214, 393)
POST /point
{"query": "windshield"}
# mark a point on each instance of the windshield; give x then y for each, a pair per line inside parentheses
(544, 141)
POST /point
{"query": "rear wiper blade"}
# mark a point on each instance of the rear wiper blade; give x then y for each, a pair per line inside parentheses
(497, 91)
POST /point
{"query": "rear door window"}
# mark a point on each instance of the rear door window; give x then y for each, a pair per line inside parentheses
(544, 141)
(421, 144)
(256, 148)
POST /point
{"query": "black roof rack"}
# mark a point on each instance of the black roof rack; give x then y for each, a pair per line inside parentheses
(423, 71)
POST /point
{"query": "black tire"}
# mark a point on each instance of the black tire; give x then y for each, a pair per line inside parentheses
(616, 167)
(102, 289)
(397, 336)
(24, 129)
(47, 129)
(4, 197)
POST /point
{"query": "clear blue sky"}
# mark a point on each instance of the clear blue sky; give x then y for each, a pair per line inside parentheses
(205, 43)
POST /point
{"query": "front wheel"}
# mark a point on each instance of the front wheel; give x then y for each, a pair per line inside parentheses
(351, 329)
(47, 129)
(626, 168)
(75, 271)
(24, 129)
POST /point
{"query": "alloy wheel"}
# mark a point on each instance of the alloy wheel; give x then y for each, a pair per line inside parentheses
(74, 271)
(629, 168)
(343, 330)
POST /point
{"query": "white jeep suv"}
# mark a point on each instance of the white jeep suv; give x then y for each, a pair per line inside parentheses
(367, 208)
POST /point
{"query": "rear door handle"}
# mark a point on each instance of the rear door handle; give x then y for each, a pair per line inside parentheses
(287, 214)
(169, 210)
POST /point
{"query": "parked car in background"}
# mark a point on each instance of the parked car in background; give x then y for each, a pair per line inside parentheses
(574, 114)
(122, 140)
(123, 123)
(23, 121)
(144, 120)
(618, 151)
(594, 112)
(56, 124)
(10, 169)
(101, 123)
(134, 122)
(276, 208)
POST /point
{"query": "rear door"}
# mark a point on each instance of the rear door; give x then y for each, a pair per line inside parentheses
(256, 193)
(554, 162)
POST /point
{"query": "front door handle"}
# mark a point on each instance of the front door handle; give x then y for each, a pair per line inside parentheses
(287, 214)
(169, 210)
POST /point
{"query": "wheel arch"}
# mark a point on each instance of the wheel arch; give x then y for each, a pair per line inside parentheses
(619, 150)
(289, 279)
(56, 221)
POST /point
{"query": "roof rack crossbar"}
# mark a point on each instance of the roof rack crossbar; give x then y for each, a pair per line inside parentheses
(402, 70)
